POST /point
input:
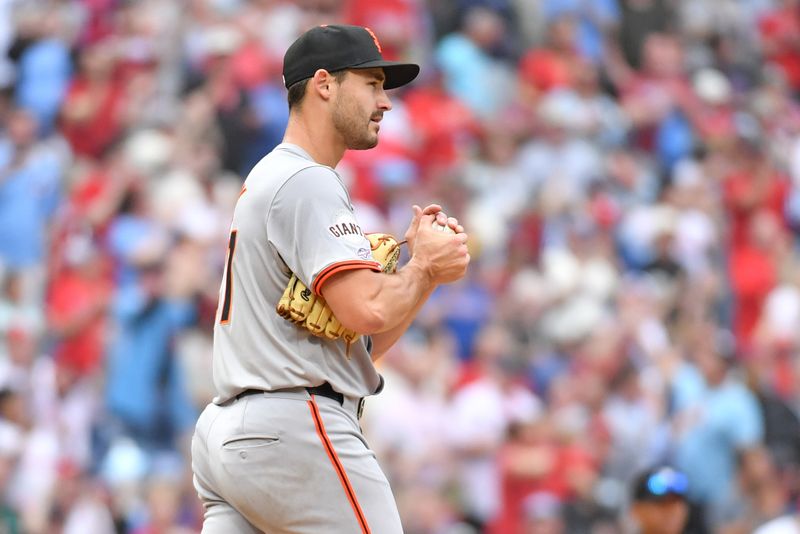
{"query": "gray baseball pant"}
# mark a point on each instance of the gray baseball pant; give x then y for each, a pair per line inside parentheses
(288, 462)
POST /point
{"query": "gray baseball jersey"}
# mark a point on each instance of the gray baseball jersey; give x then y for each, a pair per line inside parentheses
(294, 216)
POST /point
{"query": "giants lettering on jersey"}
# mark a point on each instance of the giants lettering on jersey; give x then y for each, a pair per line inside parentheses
(344, 226)
(342, 229)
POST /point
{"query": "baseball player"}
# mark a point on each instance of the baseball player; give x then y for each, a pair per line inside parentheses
(279, 449)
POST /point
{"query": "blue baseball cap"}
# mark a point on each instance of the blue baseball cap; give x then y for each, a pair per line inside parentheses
(660, 483)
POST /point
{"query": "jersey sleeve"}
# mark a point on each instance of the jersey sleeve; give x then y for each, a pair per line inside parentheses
(312, 226)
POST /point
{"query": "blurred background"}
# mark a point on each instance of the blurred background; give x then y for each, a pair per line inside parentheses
(629, 174)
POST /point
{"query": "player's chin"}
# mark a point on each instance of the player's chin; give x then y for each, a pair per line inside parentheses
(365, 143)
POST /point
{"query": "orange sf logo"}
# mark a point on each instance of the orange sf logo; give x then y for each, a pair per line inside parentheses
(375, 38)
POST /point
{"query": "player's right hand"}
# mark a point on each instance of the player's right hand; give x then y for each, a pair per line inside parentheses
(441, 218)
(411, 234)
(443, 255)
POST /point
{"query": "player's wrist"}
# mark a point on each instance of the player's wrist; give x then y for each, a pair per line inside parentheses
(421, 270)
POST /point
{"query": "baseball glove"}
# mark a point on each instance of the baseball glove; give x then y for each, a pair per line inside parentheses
(307, 310)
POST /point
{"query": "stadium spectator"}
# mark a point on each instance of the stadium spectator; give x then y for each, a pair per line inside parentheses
(629, 175)
(659, 503)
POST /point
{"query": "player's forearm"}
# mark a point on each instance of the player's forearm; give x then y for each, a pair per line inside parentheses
(370, 303)
(383, 341)
(398, 298)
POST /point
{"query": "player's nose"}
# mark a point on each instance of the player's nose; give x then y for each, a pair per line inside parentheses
(384, 102)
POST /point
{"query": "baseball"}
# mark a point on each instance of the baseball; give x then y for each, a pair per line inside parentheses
(443, 228)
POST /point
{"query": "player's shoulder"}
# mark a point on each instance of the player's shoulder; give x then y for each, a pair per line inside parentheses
(286, 163)
(313, 179)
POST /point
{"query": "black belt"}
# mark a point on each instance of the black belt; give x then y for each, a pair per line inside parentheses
(324, 390)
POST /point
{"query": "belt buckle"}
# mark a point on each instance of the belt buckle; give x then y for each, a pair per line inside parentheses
(360, 409)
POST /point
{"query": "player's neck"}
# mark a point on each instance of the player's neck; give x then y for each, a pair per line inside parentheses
(318, 139)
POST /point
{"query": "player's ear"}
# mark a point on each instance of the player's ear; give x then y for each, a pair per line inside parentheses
(322, 83)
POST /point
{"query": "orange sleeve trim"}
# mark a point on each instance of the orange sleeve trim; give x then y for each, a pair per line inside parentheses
(334, 268)
(338, 467)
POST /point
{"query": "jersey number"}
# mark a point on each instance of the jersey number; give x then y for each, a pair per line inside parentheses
(225, 314)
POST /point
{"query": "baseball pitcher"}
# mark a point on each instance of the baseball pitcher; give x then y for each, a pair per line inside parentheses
(307, 303)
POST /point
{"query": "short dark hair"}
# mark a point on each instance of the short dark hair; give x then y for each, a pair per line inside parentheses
(297, 91)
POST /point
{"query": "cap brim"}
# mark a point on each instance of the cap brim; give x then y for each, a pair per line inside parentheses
(397, 74)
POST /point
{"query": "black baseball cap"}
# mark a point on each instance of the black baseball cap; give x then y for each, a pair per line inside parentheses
(659, 483)
(336, 47)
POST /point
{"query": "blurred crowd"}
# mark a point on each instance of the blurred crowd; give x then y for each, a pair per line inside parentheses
(629, 174)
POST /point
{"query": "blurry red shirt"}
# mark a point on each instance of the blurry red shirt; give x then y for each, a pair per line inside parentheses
(525, 243)
(516, 489)
(715, 123)
(753, 271)
(252, 66)
(71, 296)
(753, 275)
(468, 372)
(395, 22)
(546, 70)
(738, 186)
(92, 136)
(443, 127)
(366, 185)
(90, 190)
(99, 20)
(780, 31)
(93, 190)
